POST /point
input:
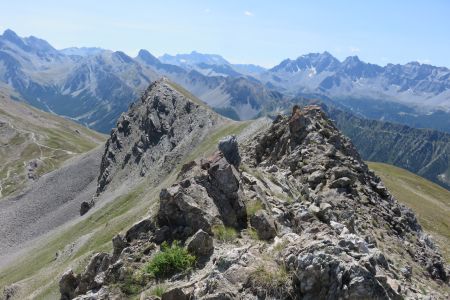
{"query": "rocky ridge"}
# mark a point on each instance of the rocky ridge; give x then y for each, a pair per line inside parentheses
(153, 136)
(305, 217)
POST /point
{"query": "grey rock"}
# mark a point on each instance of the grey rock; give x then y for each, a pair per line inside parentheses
(200, 244)
(229, 147)
(224, 188)
(10, 291)
(161, 234)
(316, 177)
(119, 243)
(67, 285)
(264, 225)
(342, 182)
(406, 271)
(85, 206)
(141, 229)
(174, 294)
(178, 209)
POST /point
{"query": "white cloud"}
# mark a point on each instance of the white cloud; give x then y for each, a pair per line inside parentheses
(354, 49)
(248, 13)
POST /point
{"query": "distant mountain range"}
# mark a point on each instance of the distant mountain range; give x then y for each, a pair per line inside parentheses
(94, 86)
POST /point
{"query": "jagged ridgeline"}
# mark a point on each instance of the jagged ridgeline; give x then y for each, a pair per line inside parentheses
(291, 212)
(153, 136)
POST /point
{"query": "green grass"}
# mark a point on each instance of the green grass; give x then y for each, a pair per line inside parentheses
(253, 206)
(171, 260)
(252, 233)
(274, 280)
(429, 201)
(224, 234)
(158, 290)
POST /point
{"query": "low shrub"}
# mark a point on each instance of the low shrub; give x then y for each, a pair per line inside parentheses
(171, 260)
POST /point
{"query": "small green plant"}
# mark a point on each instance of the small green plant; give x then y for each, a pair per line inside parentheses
(159, 290)
(275, 281)
(253, 206)
(252, 233)
(172, 259)
(224, 234)
(132, 283)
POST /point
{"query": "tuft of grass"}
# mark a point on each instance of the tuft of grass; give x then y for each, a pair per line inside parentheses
(253, 206)
(171, 260)
(275, 281)
(253, 234)
(158, 290)
(224, 234)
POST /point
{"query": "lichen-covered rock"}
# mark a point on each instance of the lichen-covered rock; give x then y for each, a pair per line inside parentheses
(264, 225)
(200, 244)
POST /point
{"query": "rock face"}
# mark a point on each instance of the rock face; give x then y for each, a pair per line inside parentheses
(208, 194)
(326, 226)
(229, 147)
(154, 134)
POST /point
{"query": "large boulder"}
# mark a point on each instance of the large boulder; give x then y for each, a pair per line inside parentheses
(68, 284)
(264, 225)
(207, 194)
(200, 244)
(186, 210)
(224, 187)
(229, 147)
(139, 230)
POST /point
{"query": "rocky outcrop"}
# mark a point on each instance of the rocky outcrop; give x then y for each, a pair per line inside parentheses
(155, 134)
(326, 227)
(208, 194)
(229, 147)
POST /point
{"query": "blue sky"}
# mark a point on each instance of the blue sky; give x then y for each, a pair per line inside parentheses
(245, 31)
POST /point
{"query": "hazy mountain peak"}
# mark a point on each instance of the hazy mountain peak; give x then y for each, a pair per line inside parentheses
(12, 37)
(147, 57)
(82, 51)
(193, 58)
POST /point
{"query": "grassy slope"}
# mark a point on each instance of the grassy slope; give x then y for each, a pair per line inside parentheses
(429, 201)
(30, 134)
(38, 271)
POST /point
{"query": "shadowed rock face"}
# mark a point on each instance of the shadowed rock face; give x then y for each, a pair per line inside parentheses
(326, 227)
(209, 194)
(154, 135)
